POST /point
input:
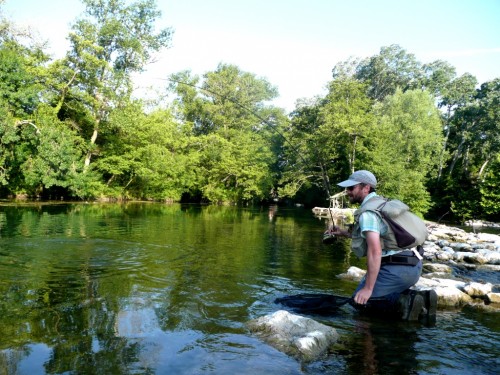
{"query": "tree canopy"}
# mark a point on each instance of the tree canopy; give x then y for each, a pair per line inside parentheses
(70, 128)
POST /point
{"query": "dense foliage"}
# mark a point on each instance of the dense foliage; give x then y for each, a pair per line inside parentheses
(70, 128)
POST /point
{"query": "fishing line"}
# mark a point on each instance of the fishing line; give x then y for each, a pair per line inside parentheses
(259, 117)
(234, 101)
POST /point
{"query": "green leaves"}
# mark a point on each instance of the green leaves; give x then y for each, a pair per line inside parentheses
(232, 130)
(114, 41)
(69, 127)
(404, 146)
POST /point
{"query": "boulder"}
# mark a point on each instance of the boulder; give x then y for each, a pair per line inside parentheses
(295, 335)
(469, 257)
(451, 296)
(488, 237)
(492, 257)
(443, 243)
(437, 267)
(353, 273)
(483, 308)
(478, 290)
(461, 246)
(493, 298)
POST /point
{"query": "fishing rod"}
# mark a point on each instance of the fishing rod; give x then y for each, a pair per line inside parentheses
(234, 101)
(327, 239)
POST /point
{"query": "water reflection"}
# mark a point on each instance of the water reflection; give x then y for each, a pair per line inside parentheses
(151, 288)
(376, 341)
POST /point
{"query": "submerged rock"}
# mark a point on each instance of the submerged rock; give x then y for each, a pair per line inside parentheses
(295, 335)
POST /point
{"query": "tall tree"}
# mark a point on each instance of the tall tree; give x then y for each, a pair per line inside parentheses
(490, 190)
(234, 129)
(456, 96)
(148, 155)
(327, 136)
(488, 146)
(476, 144)
(393, 68)
(112, 41)
(403, 146)
(21, 91)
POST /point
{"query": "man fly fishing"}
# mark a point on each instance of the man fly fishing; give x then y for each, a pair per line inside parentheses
(391, 270)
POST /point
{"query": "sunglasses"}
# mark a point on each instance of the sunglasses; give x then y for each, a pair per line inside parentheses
(351, 188)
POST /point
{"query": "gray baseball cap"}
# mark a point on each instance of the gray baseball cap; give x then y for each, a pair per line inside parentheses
(360, 177)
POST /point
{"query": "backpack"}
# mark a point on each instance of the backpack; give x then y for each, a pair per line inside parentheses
(409, 230)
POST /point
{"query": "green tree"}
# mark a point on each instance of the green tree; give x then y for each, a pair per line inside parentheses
(490, 191)
(56, 165)
(488, 147)
(327, 137)
(404, 145)
(113, 41)
(148, 155)
(437, 77)
(457, 98)
(20, 93)
(19, 85)
(298, 153)
(477, 146)
(8, 139)
(393, 68)
(235, 132)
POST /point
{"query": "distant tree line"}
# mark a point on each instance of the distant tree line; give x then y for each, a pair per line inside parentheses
(72, 128)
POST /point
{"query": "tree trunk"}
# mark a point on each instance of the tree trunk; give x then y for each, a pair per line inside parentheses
(92, 143)
(483, 167)
(445, 144)
(457, 155)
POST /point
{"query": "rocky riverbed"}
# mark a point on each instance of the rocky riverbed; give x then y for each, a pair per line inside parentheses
(462, 267)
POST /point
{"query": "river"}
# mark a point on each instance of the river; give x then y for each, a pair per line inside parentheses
(148, 288)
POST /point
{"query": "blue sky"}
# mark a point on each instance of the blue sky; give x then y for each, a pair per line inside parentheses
(296, 43)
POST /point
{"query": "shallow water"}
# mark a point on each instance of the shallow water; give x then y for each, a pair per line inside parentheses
(156, 289)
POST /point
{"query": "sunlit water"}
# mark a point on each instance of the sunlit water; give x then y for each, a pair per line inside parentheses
(167, 289)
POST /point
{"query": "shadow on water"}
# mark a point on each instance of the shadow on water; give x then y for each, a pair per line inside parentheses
(154, 289)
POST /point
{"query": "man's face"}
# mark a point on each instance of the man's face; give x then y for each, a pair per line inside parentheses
(357, 193)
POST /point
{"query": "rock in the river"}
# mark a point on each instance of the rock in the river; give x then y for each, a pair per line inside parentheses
(353, 273)
(477, 289)
(297, 336)
(437, 267)
(493, 298)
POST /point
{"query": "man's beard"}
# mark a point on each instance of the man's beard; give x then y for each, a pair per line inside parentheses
(354, 199)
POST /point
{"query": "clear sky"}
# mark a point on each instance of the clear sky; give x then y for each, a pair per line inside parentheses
(296, 43)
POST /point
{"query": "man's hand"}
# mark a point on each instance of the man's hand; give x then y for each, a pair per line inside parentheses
(337, 231)
(362, 296)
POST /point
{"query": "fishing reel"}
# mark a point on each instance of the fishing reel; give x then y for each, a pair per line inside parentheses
(328, 237)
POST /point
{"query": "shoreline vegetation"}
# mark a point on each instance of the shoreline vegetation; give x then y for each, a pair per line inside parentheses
(74, 128)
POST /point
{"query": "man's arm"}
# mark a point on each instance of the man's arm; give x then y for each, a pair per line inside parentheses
(374, 257)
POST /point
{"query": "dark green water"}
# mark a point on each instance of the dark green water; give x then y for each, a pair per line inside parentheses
(167, 289)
